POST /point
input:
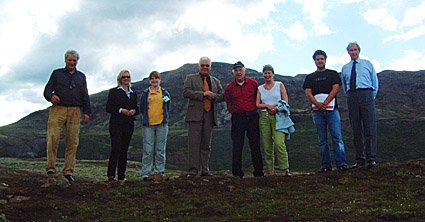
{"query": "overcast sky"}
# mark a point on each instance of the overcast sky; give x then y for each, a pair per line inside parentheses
(146, 35)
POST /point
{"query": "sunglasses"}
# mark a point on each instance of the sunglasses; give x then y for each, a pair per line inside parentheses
(72, 84)
(125, 77)
(205, 65)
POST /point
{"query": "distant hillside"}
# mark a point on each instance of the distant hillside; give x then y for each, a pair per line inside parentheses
(400, 105)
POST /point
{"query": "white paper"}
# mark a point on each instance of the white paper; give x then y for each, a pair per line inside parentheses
(321, 97)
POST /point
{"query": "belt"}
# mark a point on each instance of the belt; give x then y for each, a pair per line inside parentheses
(360, 89)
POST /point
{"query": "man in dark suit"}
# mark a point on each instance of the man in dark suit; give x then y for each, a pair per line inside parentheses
(204, 92)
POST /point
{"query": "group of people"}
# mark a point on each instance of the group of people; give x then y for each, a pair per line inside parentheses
(257, 111)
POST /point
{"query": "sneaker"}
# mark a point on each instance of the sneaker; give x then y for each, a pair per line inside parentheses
(111, 178)
(342, 168)
(69, 177)
(325, 169)
(287, 174)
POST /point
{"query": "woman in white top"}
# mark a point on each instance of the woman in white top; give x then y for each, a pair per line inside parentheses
(268, 95)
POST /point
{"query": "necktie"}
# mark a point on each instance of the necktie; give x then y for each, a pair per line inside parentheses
(207, 101)
(353, 76)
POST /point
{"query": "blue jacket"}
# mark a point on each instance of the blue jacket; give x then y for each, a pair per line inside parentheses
(144, 106)
(283, 121)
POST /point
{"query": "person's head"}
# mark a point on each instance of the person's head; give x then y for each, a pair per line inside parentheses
(353, 50)
(239, 71)
(204, 65)
(71, 59)
(268, 72)
(319, 58)
(124, 78)
(155, 78)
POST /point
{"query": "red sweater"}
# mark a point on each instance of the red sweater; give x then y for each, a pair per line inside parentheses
(241, 98)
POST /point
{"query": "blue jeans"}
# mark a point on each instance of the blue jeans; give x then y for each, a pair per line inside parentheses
(154, 143)
(331, 120)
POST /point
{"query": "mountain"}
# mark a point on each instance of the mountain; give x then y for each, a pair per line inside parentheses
(400, 108)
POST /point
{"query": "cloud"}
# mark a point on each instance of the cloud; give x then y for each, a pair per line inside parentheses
(382, 18)
(25, 21)
(140, 36)
(296, 31)
(316, 13)
(414, 16)
(411, 60)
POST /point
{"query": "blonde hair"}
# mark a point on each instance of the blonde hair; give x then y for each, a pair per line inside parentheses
(119, 77)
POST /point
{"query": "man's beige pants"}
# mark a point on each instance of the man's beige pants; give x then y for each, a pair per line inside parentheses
(58, 117)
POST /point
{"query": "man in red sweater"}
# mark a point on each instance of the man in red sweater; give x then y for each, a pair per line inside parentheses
(240, 96)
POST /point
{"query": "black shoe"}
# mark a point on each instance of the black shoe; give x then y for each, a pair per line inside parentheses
(324, 170)
(371, 164)
(287, 174)
(207, 174)
(343, 168)
(50, 172)
(258, 174)
(358, 165)
(190, 175)
(111, 178)
(70, 178)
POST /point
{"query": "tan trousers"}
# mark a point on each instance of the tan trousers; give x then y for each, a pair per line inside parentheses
(58, 117)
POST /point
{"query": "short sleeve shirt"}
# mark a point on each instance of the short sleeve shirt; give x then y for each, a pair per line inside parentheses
(322, 82)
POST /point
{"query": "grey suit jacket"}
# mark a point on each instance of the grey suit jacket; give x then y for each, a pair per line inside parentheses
(194, 90)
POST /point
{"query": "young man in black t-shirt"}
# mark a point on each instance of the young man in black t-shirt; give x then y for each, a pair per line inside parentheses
(321, 88)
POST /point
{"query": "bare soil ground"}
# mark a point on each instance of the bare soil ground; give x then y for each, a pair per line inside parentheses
(390, 192)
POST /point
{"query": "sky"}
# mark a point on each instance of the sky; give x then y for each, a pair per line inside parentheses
(162, 35)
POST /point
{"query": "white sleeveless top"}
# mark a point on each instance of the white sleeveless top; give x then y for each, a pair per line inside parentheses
(272, 96)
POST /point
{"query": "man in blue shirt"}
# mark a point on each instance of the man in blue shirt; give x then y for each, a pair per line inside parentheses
(360, 83)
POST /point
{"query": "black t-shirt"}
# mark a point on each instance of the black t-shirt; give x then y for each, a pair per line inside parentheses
(322, 82)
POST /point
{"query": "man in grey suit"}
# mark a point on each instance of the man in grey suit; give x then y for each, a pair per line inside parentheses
(204, 92)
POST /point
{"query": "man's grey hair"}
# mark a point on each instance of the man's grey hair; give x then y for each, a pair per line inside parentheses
(204, 58)
(353, 43)
(72, 52)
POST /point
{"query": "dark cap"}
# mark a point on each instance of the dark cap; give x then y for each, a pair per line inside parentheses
(239, 64)
(268, 67)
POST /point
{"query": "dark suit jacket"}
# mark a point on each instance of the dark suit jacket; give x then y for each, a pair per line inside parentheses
(118, 99)
(194, 90)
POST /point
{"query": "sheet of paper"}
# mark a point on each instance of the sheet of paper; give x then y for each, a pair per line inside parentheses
(321, 98)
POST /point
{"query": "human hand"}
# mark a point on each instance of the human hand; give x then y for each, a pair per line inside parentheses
(131, 112)
(86, 118)
(55, 99)
(272, 110)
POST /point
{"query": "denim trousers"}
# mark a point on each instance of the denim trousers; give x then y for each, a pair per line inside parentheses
(154, 149)
(331, 120)
(60, 116)
(273, 143)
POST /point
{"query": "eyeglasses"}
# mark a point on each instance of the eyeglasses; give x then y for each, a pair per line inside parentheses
(72, 84)
(205, 65)
(125, 77)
